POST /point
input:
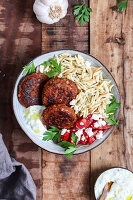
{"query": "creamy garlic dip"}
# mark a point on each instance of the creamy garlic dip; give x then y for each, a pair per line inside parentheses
(32, 117)
(122, 188)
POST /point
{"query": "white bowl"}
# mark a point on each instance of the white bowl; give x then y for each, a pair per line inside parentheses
(49, 145)
(114, 171)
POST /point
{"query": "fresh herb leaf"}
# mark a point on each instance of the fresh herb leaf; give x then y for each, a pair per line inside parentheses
(69, 155)
(111, 122)
(111, 109)
(55, 67)
(57, 138)
(74, 138)
(51, 133)
(46, 63)
(82, 13)
(66, 144)
(70, 151)
(50, 74)
(122, 5)
(29, 69)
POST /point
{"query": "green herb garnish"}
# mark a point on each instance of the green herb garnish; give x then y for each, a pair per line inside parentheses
(112, 107)
(54, 134)
(122, 5)
(111, 110)
(51, 133)
(74, 138)
(69, 148)
(111, 120)
(55, 67)
(29, 69)
(82, 13)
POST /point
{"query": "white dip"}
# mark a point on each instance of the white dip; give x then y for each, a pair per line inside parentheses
(32, 117)
(122, 188)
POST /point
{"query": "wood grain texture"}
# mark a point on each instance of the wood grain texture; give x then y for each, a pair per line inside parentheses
(127, 30)
(65, 178)
(110, 42)
(66, 34)
(20, 42)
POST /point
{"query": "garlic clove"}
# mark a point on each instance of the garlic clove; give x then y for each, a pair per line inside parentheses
(50, 11)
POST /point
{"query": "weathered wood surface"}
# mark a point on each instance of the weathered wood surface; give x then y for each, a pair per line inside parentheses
(110, 39)
(20, 42)
(66, 34)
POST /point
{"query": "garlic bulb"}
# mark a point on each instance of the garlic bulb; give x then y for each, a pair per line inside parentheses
(50, 11)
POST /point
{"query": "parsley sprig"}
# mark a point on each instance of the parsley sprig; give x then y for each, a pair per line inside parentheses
(55, 67)
(54, 134)
(29, 69)
(111, 110)
(122, 5)
(82, 13)
(53, 64)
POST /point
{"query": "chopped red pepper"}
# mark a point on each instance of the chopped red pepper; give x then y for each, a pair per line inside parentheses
(83, 141)
(65, 137)
(84, 122)
(91, 139)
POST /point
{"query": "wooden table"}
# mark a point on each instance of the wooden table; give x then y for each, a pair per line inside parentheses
(109, 38)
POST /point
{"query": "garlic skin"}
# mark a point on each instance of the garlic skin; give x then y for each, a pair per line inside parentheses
(50, 11)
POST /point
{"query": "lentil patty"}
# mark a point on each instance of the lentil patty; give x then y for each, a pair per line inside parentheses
(59, 91)
(60, 116)
(30, 89)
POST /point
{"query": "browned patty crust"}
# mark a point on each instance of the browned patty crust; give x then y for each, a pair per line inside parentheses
(59, 91)
(60, 116)
(30, 89)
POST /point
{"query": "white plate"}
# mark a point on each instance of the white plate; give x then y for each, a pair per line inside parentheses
(49, 145)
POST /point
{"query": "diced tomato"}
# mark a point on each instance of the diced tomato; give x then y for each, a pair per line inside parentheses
(73, 130)
(65, 137)
(84, 123)
(104, 127)
(86, 135)
(91, 139)
(83, 141)
(95, 132)
(101, 127)
(89, 116)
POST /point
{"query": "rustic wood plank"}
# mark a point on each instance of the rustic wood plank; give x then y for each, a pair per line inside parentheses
(65, 178)
(107, 43)
(128, 82)
(66, 34)
(20, 42)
